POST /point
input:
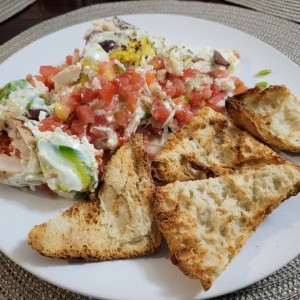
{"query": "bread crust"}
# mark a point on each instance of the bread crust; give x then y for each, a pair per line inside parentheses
(209, 146)
(207, 222)
(118, 223)
(272, 115)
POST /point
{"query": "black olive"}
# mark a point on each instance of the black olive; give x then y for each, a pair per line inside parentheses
(220, 60)
(108, 45)
(33, 114)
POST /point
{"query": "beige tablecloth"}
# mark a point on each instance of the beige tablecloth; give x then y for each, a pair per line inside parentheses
(8, 8)
(287, 9)
(16, 283)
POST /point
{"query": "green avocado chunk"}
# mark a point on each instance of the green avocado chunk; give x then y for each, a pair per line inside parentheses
(80, 167)
(11, 87)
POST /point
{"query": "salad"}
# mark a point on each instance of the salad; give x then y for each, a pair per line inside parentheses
(123, 81)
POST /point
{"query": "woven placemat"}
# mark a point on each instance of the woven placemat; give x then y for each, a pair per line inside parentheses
(16, 283)
(288, 9)
(9, 8)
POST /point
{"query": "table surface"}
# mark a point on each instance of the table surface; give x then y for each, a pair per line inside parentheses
(42, 10)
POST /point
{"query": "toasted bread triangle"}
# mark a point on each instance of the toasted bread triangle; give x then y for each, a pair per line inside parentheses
(206, 222)
(272, 115)
(209, 146)
(118, 223)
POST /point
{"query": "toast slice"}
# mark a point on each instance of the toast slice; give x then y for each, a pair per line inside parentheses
(118, 223)
(209, 146)
(206, 222)
(272, 115)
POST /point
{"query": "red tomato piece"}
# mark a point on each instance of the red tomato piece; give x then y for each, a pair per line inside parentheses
(159, 111)
(198, 97)
(184, 114)
(85, 114)
(216, 98)
(107, 91)
(100, 120)
(190, 73)
(240, 87)
(215, 107)
(69, 59)
(169, 89)
(47, 71)
(150, 77)
(122, 116)
(157, 63)
(88, 95)
(129, 85)
(132, 98)
(179, 86)
(74, 98)
(49, 124)
(78, 127)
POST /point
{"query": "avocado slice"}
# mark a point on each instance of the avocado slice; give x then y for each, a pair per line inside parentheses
(80, 167)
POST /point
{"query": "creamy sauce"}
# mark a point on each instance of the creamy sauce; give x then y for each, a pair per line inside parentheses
(61, 173)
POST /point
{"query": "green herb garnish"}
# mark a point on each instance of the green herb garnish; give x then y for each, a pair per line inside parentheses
(263, 72)
(262, 84)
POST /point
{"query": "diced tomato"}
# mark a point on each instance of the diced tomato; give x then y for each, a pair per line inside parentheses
(216, 107)
(107, 91)
(73, 59)
(150, 77)
(121, 141)
(157, 63)
(74, 98)
(85, 114)
(78, 127)
(184, 114)
(4, 143)
(179, 86)
(169, 89)
(100, 120)
(159, 111)
(216, 98)
(174, 87)
(88, 95)
(129, 85)
(198, 98)
(215, 89)
(132, 99)
(49, 124)
(218, 74)
(69, 59)
(47, 71)
(240, 89)
(190, 73)
(122, 116)
(136, 80)
(239, 85)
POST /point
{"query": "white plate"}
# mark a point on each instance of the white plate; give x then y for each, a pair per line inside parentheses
(273, 245)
